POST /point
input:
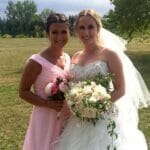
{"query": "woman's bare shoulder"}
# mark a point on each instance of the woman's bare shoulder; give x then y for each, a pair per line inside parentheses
(111, 54)
(75, 56)
(33, 66)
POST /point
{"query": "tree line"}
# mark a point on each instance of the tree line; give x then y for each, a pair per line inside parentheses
(127, 18)
(23, 20)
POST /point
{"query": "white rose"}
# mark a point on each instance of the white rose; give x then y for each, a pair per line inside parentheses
(89, 113)
(87, 89)
(79, 106)
(100, 89)
(64, 87)
(48, 89)
(73, 91)
(93, 84)
(93, 99)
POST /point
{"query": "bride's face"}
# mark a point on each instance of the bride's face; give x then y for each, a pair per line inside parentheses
(87, 30)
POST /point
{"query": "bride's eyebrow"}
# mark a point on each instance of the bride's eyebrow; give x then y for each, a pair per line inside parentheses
(90, 26)
(82, 27)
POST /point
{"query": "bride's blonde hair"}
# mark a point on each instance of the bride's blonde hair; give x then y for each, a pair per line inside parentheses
(93, 14)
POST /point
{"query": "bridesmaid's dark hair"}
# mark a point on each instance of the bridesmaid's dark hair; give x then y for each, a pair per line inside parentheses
(56, 18)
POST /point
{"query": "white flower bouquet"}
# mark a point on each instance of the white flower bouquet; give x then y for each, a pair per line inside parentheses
(90, 99)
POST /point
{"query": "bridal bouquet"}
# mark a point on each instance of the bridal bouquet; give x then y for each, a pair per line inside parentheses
(90, 99)
(56, 90)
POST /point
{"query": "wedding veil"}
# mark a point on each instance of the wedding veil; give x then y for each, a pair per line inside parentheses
(134, 84)
(112, 41)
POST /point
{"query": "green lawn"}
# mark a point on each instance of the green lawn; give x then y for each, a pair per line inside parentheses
(14, 112)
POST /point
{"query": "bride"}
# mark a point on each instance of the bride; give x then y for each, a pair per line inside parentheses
(103, 53)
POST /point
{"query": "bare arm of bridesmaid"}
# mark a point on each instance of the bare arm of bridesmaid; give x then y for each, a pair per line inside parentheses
(31, 71)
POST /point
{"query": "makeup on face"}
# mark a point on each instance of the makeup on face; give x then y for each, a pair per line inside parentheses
(59, 34)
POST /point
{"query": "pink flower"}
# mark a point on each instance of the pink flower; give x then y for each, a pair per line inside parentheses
(64, 86)
(55, 88)
(101, 98)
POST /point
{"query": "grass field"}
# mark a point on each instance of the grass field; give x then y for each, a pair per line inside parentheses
(14, 112)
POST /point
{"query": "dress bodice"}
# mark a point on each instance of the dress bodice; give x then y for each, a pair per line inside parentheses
(89, 70)
(48, 74)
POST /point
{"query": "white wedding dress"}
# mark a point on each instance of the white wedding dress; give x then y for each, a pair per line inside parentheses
(83, 135)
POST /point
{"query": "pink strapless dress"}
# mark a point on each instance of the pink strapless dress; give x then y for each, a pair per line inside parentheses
(45, 126)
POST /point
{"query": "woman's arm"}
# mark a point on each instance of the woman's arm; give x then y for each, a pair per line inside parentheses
(31, 71)
(116, 68)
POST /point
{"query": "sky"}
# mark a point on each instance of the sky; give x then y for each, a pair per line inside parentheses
(68, 7)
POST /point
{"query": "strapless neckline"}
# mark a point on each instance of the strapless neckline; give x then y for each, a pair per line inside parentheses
(82, 72)
(91, 63)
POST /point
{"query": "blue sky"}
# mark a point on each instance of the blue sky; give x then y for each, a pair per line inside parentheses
(67, 7)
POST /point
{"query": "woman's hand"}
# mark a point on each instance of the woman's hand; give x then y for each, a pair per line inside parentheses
(55, 104)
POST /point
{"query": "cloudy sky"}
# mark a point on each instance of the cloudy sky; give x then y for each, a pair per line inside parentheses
(66, 6)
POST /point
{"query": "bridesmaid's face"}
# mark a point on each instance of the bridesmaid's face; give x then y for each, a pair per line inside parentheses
(59, 34)
(87, 30)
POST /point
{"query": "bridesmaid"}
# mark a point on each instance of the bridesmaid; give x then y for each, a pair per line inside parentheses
(42, 68)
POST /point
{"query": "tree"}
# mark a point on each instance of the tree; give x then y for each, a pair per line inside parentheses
(129, 16)
(20, 16)
(72, 19)
(1, 26)
(44, 14)
(43, 18)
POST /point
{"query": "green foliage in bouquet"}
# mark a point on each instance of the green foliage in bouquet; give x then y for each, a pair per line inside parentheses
(104, 80)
